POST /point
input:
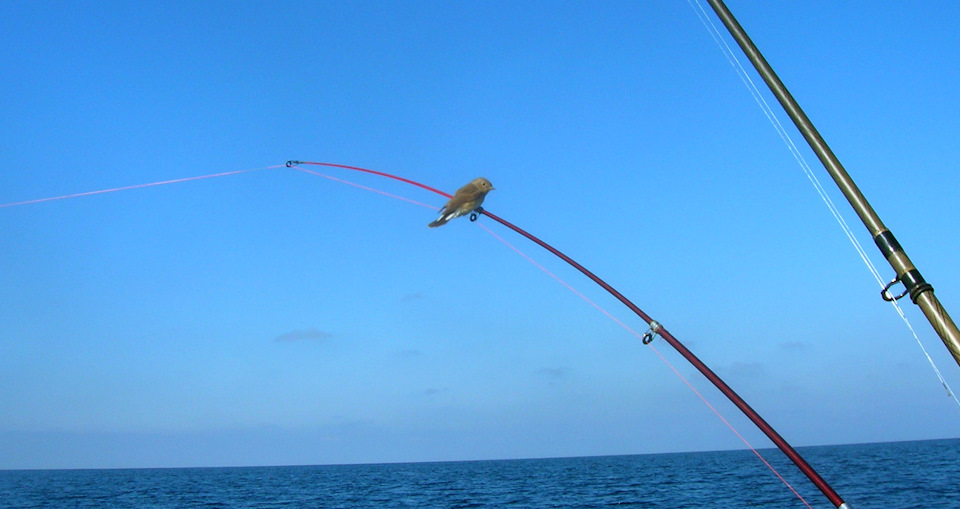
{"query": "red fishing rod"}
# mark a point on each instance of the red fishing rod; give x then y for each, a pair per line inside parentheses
(655, 328)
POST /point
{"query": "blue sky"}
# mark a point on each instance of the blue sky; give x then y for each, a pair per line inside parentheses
(275, 317)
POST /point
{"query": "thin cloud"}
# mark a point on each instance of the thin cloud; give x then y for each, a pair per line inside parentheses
(410, 297)
(555, 373)
(303, 335)
(747, 370)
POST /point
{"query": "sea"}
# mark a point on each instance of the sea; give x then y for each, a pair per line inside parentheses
(892, 475)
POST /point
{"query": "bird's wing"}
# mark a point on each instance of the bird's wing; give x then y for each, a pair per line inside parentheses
(454, 204)
(469, 190)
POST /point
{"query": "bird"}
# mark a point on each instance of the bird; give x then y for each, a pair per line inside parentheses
(468, 198)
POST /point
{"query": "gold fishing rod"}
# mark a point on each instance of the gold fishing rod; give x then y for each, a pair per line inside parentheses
(921, 292)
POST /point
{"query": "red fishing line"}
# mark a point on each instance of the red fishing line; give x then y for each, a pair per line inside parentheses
(137, 186)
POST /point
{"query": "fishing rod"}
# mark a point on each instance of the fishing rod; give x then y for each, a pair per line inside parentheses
(655, 329)
(921, 292)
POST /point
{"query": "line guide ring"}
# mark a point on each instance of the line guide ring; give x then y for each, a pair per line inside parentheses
(650, 334)
(887, 296)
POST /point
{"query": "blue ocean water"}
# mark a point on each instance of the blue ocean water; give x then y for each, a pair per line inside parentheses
(888, 475)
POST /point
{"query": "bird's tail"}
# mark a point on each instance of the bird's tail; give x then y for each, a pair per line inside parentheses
(444, 217)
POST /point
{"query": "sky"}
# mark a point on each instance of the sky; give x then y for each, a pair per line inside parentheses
(275, 317)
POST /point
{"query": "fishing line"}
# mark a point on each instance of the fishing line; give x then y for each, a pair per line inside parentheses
(137, 186)
(572, 289)
(398, 197)
(564, 283)
(811, 176)
(293, 164)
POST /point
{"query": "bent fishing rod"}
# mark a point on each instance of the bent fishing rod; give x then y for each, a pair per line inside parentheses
(921, 292)
(655, 329)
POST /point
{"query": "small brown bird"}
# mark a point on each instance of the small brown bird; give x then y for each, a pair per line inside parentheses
(468, 198)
